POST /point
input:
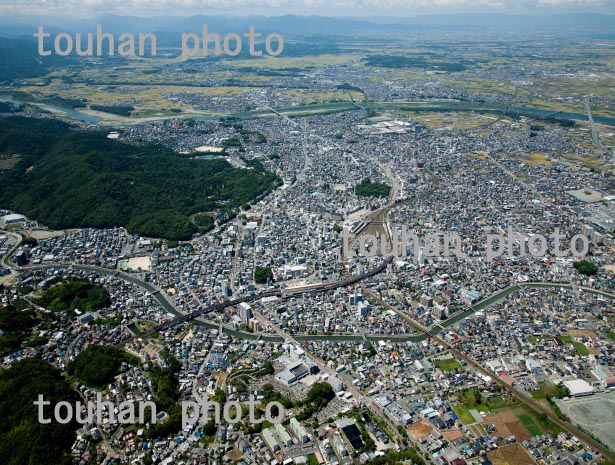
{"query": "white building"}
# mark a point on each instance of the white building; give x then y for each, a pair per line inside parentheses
(298, 430)
(13, 219)
(579, 388)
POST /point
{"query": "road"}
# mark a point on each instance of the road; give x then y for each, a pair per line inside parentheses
(164, 300)
(5, 263)
(427, 334)
(592, 126)
(566, 426)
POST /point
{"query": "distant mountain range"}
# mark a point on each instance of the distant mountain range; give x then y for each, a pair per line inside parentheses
(593, 23)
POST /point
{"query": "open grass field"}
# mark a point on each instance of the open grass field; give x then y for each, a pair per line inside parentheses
(530, 423)
(447, 364)
(478, 156)
(451, 120)
(588, 162)
(536, 159)
(464, 414)
(535, 339)
(469, 398)
(580, 348)
(537, 422)
(544, 391)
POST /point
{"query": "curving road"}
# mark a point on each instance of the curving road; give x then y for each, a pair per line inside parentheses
(424, 334)
(181, 317)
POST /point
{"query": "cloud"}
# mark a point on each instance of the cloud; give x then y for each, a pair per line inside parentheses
(90, 8)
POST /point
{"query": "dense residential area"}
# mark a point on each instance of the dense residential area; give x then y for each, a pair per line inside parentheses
(338, 256)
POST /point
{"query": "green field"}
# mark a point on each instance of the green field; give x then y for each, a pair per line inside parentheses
(544, 391)
(538, 421)
(501, 402)
(448, 364)
(530, 423)
(580, 348)
(469, 398)
(535, 339)
(538, 394)
(463, 412)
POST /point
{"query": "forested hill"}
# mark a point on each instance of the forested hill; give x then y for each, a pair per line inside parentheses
(68, 179)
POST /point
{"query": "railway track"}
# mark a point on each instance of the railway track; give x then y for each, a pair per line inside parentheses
(565, 425)
(284, 295)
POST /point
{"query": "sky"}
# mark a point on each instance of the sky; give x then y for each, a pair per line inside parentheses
(95, 8)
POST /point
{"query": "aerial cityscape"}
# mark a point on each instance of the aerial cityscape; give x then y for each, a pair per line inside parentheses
(355, 235)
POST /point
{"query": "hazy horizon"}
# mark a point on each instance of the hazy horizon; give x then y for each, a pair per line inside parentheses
(339, 8)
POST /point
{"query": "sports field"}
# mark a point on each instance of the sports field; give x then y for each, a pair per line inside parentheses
(595, 413)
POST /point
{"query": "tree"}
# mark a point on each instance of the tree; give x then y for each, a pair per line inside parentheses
(219, 396)
(320, 394)
(209, 429)
(367, 188)
(23, 440)
(586, 267)
(98, 365)
(75, 293)
(261, 275)
(371, 350)
(83, 179)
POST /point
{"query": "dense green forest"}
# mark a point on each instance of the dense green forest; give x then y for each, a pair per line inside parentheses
(367, 188)
(6, 107)
(387, 61)
(261, 275)
(69, 178)
(23, 440)
(585, 267)
(318, 397)
(75, 293)
(98, 365)
(20, 59)
(166, 392)
(16, 324)
(121, 110)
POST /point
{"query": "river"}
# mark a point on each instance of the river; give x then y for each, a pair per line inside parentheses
(345, 106)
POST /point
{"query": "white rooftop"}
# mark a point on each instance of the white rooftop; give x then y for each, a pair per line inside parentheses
(578, 386)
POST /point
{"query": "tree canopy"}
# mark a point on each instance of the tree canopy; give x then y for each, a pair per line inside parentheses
(67, 178)
(98, 365)
(261, 275)
(586, 267)
(75, 293)
(23, 440)
(17, 325)
(367, 188)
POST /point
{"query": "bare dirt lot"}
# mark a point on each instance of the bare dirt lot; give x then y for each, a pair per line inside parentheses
(507, 423)
(419, 430)
(510, 455)
(43, 234)
(594, 413)
(582, 333)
